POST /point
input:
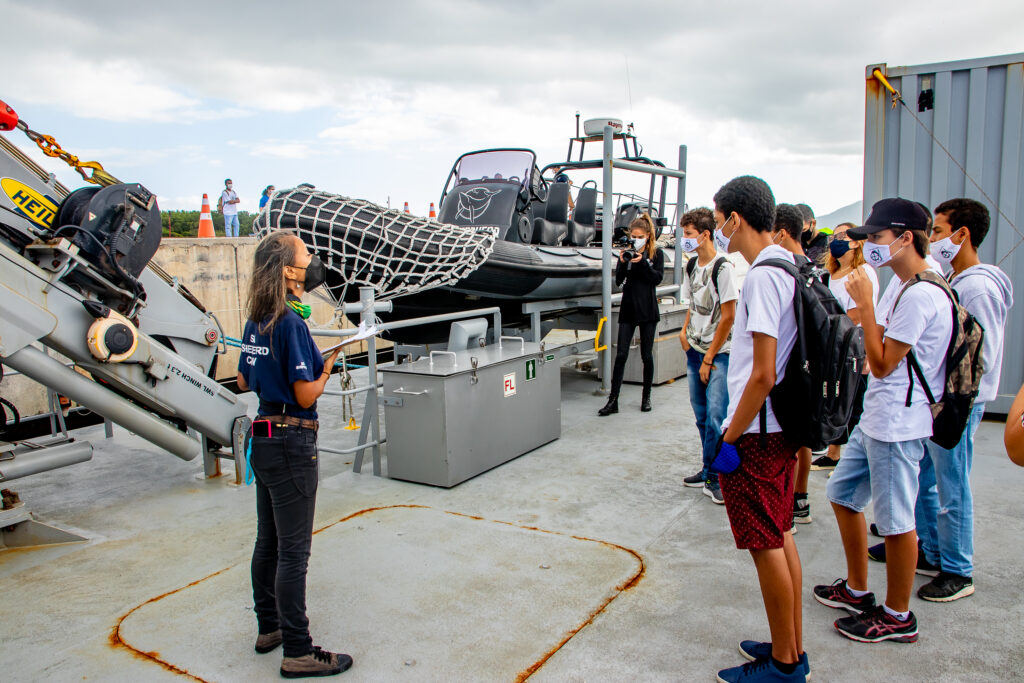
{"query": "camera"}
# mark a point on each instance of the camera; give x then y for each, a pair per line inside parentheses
(629, 254)
(626, 245)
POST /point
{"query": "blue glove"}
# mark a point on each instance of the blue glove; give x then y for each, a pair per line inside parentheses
(726, 459)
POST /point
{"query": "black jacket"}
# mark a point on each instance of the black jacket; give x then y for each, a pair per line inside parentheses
(639, 300)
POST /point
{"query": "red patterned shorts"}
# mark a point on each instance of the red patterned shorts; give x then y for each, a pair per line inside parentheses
(759, 493)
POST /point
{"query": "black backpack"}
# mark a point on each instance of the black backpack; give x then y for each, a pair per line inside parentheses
(964, 368)
(814, 400)
(691, 268)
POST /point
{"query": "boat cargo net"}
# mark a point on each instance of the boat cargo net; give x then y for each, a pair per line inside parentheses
(367, 245)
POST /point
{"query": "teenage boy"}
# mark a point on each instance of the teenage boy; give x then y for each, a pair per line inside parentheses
(883, 457)
(945, 517)
(759, 492)
(789, 225)
(709, 284)
(814, 241)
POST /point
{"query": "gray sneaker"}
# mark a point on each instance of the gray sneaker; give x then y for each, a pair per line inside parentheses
(317, 663)
(696, 480)
(714, 491)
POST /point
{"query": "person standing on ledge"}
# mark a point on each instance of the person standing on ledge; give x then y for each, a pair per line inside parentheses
(228, 205)
(641, 266)
(282, 365)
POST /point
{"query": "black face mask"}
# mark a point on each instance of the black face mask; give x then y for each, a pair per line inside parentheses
(316, 273)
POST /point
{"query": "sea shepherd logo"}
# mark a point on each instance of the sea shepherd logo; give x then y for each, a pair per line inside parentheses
(474, 203)
(34, 206)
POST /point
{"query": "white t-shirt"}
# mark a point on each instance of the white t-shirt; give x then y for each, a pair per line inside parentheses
(706, 302)
(766, 306)
(225, 197)
(838, 287)
(923, 319)
(987, 293)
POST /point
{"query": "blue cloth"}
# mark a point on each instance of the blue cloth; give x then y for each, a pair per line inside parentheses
(883, 473)
(709, 401)
(945, 507)
(231, 225)
(271, 365)
(263, 201)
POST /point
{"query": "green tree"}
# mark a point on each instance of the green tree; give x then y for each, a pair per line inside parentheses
(186, 223)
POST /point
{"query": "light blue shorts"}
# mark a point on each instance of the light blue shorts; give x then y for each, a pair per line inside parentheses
(880, 472)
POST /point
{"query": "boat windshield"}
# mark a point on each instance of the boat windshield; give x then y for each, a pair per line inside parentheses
(500, 165)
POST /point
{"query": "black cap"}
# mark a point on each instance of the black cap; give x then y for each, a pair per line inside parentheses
(895, 213)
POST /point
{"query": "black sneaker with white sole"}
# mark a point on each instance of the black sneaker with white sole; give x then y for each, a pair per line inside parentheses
(946, 587)
(838, 595)
(876, 625)
(801, 509)
(713, 490)
(824, 463)
(696, 480)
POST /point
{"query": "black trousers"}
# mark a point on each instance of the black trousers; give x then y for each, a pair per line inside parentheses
(646, 354)
(286, 469)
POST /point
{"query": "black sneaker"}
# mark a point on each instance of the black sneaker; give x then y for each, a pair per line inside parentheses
(874, 530)
(319, 662)
(824, 463)
(837, 595)
(754, 650)
(924, 567)
(876, 625)
(759, 671)
(801, 509)
(713, 490)
(696, 480)
(946, 587)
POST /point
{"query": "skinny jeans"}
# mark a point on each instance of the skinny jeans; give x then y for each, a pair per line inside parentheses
(646, 354)
(286, 470)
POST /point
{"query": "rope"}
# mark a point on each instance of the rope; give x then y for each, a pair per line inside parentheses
(897, 98)
(371, 246)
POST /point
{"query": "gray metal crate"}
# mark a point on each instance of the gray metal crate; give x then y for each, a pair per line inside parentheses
(448, 421)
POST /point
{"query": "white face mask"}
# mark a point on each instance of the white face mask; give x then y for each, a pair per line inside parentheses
(878, 255)
(720, 239)
(945, 250)
(639, 242)
(689, 244)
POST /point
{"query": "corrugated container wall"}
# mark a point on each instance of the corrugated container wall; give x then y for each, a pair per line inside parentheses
(975, 110)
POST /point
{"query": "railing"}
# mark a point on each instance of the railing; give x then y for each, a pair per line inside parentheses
(369, 430)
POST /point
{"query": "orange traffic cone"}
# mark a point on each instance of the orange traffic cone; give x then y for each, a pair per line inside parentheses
(406, 209)
(433, 212)
(206, 219)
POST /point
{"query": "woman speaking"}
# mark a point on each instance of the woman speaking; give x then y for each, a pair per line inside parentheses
(642, 266)
(283, 366)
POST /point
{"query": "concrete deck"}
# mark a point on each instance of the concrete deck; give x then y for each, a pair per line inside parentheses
(585, 560)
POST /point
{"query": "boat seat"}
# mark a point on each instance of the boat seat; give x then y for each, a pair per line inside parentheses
(581, 227)
(554, 226)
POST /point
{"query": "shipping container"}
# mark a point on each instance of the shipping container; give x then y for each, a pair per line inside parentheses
(958, 132)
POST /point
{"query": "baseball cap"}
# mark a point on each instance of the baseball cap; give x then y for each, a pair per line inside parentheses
(893, 213)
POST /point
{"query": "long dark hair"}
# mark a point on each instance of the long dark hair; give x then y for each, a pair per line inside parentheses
(268, 293)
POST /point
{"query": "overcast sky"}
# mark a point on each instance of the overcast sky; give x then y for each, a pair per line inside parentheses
(377, 99)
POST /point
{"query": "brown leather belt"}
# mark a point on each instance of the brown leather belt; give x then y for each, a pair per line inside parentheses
(290, 421)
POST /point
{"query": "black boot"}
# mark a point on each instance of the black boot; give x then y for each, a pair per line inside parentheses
(612, 406)
(645, 403)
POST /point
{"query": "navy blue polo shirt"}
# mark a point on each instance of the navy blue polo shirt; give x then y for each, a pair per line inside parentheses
(270, 365)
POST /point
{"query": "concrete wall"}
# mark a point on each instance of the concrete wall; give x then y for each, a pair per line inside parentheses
(217, 272)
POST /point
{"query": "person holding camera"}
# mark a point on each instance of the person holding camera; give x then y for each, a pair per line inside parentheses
(641, 266)
(283, 366)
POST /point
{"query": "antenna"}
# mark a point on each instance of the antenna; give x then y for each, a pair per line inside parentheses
(577, 123)
(629, 87)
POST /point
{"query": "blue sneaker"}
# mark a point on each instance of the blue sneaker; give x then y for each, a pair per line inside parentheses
(753, 650)
(760, 671)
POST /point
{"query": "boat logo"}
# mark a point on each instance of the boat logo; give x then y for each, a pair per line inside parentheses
(30, 203)
(474, 203)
